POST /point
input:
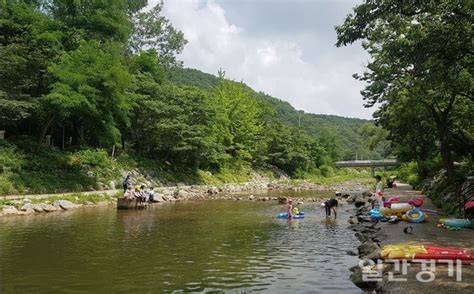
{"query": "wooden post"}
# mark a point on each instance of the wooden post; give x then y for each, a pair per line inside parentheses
(48, 140)
(63, 136)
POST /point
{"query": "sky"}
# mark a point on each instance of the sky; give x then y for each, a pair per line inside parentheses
(284, 48)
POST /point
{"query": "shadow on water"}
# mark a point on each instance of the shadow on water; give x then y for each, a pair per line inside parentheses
(188, 246)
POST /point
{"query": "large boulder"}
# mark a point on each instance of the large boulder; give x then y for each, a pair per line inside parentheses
(182, 194)
(367, 248)
(65, 204)
(168, 198)
(8, 209)
(213, 190)
(374, 255)
(27, 206)
(158, 198)
(49, 208)
(39, 207)
(357, 277)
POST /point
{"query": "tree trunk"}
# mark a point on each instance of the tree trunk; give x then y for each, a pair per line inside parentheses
(445, 152)
(46, 128)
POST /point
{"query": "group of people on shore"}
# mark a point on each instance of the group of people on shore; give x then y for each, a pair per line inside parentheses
(139, 192)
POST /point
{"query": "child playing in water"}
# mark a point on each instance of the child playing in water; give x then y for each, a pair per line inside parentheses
(296, 211)
(289, 208)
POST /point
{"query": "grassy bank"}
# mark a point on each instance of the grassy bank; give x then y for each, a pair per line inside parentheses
(29, 168)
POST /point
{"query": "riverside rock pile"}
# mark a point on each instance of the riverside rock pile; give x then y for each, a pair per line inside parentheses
(370, 236)
(28, 208)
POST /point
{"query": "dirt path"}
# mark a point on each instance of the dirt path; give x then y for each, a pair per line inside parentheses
(428, 233)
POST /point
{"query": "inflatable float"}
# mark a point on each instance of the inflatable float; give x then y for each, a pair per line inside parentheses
(429, 210)
(284, 215)
(426, 252)
(417, 202)
(391, 200)
(396, 208)
(455, 222)
(415, 216)
(375, 214)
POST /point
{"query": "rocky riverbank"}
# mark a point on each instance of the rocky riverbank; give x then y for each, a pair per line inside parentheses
(33, 204)
(374, 235)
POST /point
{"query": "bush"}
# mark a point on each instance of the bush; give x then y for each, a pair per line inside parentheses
(408, 172)
(92, 158)
(6, 186)
(10, 159)
(326, 170)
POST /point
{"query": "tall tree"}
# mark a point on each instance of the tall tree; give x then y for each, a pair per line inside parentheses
(421, 59)
(29, 43)
(238, 125)
(151, 30)
(91, 90)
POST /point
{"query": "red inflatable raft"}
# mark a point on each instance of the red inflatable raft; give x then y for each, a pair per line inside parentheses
(445, 253)
(427, 252)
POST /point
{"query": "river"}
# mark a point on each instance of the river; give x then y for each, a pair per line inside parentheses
(218, 245)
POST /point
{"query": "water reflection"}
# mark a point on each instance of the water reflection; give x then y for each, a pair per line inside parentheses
(189, 246)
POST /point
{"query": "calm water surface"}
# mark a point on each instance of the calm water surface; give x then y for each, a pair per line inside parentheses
(231, 246)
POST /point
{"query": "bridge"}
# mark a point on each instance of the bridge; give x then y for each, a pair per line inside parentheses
(368, 163)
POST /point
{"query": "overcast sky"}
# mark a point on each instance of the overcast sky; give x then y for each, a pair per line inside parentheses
(282, 47)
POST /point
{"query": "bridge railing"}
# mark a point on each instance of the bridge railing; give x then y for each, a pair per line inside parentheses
(365, 163)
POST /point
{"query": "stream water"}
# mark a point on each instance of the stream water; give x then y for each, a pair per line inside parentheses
(231, 246)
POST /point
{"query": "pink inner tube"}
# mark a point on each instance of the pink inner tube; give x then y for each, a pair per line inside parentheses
(394, 199)
(416, 202)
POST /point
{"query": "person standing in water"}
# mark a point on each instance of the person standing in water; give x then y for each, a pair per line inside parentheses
(329, 205)
(289, 208)
(379, 190)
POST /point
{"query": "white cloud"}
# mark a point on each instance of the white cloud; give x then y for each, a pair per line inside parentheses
(301, 68)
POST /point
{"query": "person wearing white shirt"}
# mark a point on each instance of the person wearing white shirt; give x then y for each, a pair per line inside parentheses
(379, 190)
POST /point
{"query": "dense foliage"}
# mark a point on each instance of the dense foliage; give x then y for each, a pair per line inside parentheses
(340, 136)
(420, 73)
(103, 75)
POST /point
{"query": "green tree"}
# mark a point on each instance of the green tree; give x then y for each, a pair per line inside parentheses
(238, 127)
(98, 20)
(421, 60)
(173, 124)
(376, 137)
(29, 43)
(151, 30)
(90, 90)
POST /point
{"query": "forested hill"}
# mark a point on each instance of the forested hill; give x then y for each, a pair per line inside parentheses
(75, 90)
(339, 134)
